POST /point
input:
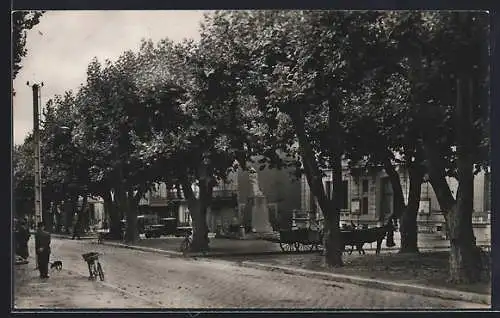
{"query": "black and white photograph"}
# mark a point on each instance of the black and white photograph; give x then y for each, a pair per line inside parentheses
(251, 159)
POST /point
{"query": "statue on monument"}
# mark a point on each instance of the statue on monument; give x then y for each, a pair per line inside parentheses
(257, 205)
(254, 182)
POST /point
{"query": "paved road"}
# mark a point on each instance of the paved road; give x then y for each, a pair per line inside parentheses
(59, 292)
(196, 283)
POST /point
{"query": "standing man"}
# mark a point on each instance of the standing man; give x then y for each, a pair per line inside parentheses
(42, 246)
(24, 237)
(77, 227)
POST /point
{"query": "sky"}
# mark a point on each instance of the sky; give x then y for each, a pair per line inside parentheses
(62, 45)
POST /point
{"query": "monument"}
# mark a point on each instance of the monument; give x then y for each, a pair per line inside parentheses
(257, 203)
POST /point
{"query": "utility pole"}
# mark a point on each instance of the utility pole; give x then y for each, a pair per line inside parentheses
(36, 146)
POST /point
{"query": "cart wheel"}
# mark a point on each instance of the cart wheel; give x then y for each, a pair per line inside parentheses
(285, 247)
(282, 246)
(100, 272)
(304, 247)
(350, 251)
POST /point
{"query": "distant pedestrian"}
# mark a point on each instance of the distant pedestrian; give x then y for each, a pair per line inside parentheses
(23, 236)
(42, 246)
(76, 228)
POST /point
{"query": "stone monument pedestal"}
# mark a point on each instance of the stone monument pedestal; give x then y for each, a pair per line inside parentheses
(259, 214)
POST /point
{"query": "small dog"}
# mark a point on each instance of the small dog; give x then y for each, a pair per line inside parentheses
(56, 265)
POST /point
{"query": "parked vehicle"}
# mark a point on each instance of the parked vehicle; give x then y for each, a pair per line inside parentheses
(144, 221)
(182, 231)
(154, 230)
(302, 239)
(170, 225)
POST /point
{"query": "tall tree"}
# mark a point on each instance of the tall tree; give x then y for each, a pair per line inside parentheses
(202, 130)
(382, 131)
(22, 22)
(292, 75)
(449, 91)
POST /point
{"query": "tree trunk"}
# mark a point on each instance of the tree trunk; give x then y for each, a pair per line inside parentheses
(83, 214)
(398, 197)
(133, 206)
(70, 208)
(110, 209)
(465, 262)
(198, 212)
(409, 229)
(407, 214)
(331, 236)
(464, 257)
(333, 254)
(106, 197)
(437, 178)
(122, 211)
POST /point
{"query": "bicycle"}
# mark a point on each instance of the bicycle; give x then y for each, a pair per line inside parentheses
(95, 268)
(186, 243)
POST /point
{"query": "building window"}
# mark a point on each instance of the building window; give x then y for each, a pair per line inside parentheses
(365, 186)
(364, 206)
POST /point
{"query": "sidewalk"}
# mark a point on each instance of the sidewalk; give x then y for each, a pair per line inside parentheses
(222, 247)
(423, 274)
(66, 289)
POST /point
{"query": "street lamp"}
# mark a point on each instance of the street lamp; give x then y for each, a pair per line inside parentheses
(36, 146)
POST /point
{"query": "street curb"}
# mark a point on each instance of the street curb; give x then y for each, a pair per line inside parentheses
(378, 284)
(366, 282)
(63, 236)
(142, 248)
(206, 255)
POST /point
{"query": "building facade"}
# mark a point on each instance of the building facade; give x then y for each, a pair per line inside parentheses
(229, 199)
(367, 199)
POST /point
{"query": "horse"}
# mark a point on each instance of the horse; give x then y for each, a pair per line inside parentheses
(358, 237)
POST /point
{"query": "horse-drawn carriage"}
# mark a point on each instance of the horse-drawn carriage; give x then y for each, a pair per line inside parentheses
(311, 238)
(300, 239)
